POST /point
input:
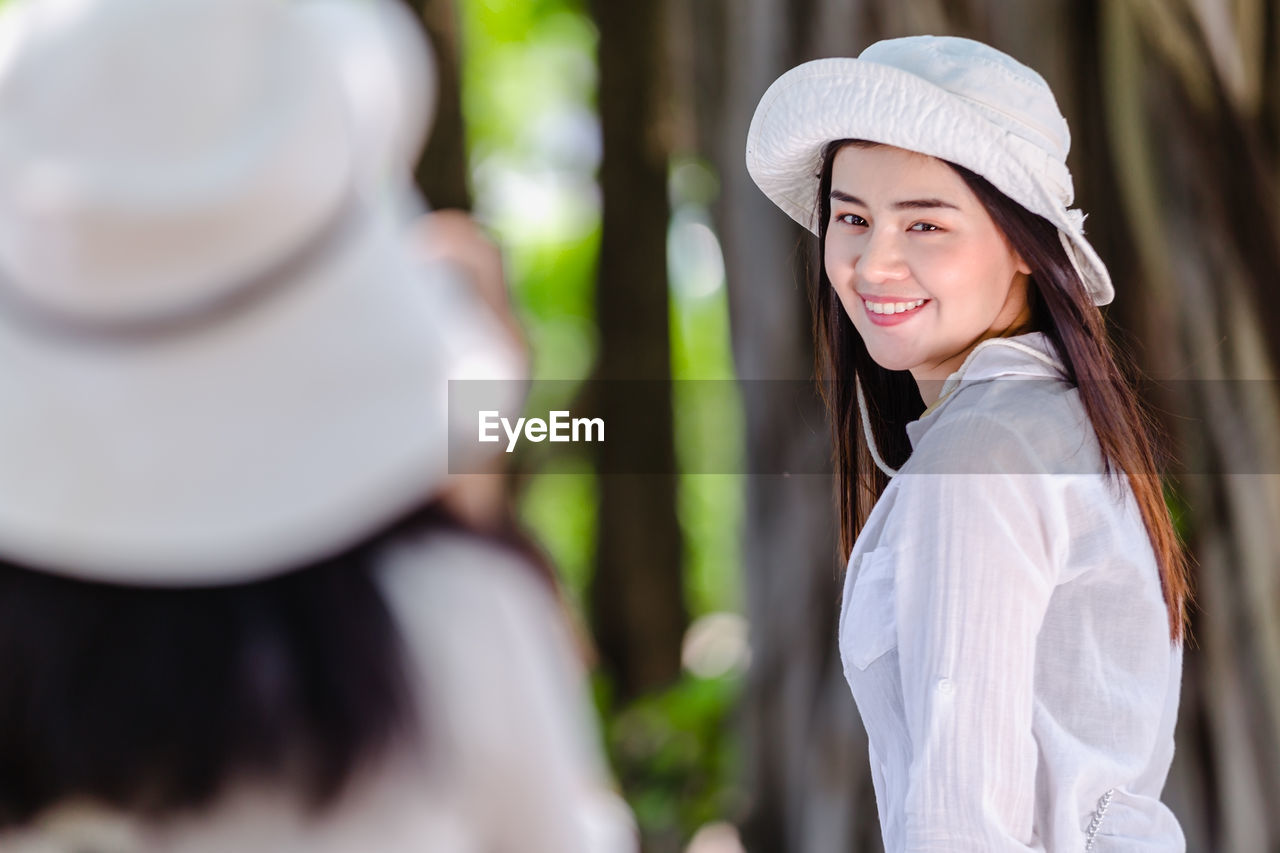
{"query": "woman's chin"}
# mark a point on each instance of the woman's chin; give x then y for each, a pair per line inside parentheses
(890, 357)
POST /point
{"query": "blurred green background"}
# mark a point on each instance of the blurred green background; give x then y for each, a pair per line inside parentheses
(529, 94)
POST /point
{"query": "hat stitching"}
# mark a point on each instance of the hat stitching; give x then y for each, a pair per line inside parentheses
(983, 105)
(1011, 73)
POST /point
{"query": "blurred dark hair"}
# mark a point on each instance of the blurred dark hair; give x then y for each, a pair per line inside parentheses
(151, 700)
(1060, 308)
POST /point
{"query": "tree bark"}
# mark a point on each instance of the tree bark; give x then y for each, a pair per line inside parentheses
(638, 613)
(441, 173)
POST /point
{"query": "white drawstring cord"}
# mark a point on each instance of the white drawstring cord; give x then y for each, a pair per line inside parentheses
(866, 430)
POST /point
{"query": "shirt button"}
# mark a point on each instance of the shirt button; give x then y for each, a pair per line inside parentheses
(945, 687)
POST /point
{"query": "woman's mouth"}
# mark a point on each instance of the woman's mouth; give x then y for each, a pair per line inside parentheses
(891, 313)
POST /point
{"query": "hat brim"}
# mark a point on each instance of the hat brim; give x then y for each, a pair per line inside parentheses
(844, 98)
(264, 441)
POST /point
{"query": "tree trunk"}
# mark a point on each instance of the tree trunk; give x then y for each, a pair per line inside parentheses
(442, 172)
(638, 613)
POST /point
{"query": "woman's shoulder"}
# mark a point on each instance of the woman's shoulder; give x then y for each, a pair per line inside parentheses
(1016, 426)
(504, 681)
(468, 608)
(439, 570)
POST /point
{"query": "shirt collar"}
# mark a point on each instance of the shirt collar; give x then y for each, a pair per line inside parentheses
(1028, 355)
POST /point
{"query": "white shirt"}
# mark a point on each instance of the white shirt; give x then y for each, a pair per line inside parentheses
(1003, 629)
(511, 761)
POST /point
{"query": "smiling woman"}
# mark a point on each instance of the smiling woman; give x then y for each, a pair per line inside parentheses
(1014, 605)
(938, 273)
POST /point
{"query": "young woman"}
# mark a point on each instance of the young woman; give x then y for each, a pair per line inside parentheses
(243, 604)
(1014, 605)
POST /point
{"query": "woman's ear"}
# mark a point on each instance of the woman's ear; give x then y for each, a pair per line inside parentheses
(1019, 264)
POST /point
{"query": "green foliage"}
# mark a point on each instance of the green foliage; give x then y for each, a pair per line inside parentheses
(526, 67)
(568, 536)
(552, 283)
(525, 63)
(708, 420)
(708, 408)
(676, 756)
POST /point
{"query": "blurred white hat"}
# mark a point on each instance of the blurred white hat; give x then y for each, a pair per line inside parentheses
(221, 358)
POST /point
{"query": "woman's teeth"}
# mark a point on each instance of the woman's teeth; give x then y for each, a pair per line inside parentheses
(894, 307)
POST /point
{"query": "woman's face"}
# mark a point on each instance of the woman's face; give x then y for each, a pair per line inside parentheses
(904, 228)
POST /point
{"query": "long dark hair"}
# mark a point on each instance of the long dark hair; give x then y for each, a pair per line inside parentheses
(1060, 308)
(151, 700)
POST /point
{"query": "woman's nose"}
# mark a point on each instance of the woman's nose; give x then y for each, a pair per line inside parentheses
(882, 258)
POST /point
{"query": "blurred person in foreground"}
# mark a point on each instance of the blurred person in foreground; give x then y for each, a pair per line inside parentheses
(242, 605)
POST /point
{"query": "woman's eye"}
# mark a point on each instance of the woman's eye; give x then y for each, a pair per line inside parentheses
(855, 219)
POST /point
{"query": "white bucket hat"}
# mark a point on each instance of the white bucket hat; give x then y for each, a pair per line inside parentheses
(220, 357)
(952, 98)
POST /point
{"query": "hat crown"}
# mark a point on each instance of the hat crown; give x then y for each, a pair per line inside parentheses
(1009, 94)
(157, 153)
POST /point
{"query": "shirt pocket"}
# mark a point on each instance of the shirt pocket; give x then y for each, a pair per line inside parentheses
(870, 624)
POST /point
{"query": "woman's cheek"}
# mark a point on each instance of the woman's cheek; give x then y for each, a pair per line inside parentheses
(828, 263)
(837, 261)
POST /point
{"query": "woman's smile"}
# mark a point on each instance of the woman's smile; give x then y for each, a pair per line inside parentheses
(884, 311)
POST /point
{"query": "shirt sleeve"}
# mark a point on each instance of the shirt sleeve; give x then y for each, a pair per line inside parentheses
(975, 570)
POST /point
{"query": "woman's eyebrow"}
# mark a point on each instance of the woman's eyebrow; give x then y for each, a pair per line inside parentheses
(908, 204)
